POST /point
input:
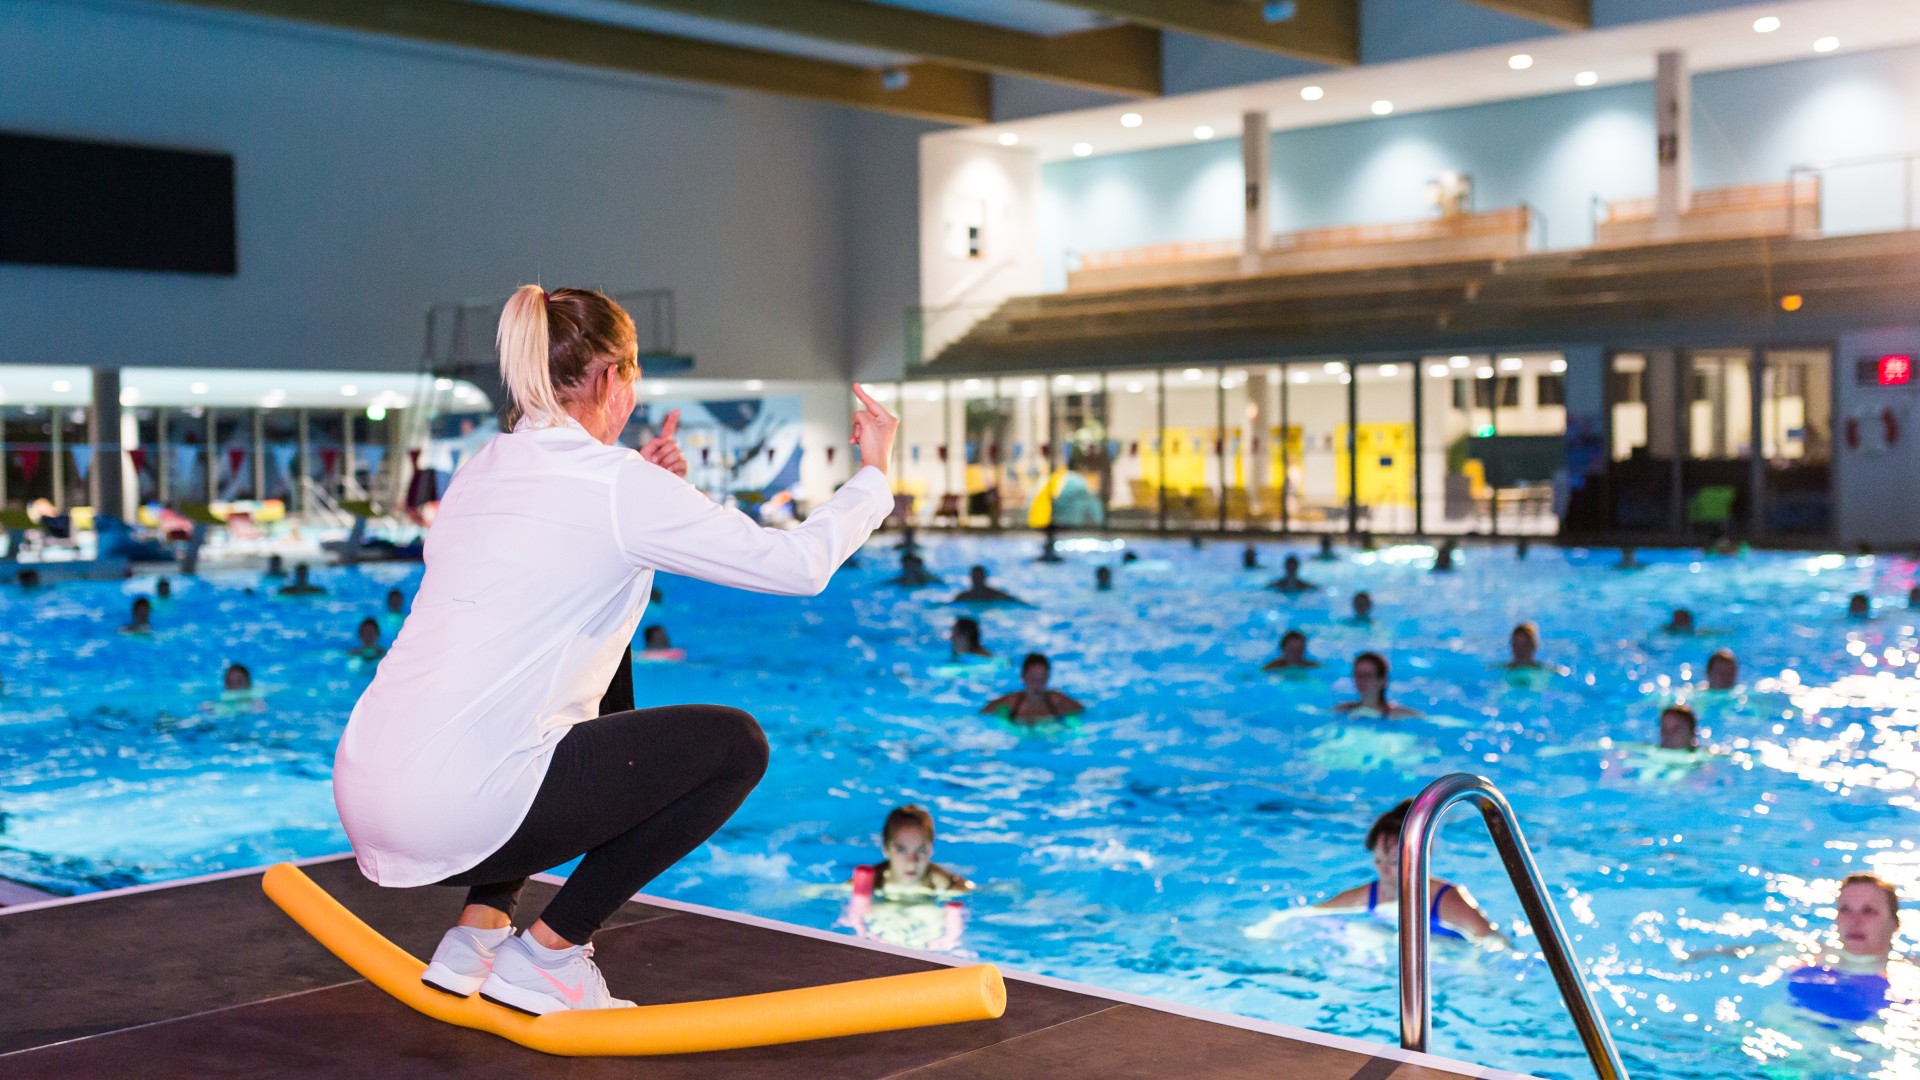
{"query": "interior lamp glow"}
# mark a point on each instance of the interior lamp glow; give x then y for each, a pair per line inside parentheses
(1586, 78)
(1312, 93)
(1081, 149)
(1382, 108)
(1520, 61)
(1131, 120)
(1826, 44)
(1008, 138)
(1766, 24)
(1896, 369)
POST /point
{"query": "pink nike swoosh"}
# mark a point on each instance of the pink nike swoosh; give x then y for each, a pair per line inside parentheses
(573, 994)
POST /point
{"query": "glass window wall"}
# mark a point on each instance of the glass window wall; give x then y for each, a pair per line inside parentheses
(1133, 417)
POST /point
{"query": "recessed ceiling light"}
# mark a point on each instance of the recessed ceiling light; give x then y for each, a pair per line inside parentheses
(1766, 24)
(1134, 387)
(1063, 380)
(1333, 367)
(971, 384)
(440, 384)
(1081, 149)
(1008, 138)
(1203, 132)
(1557, 366)
(347, 390)
(376, 412)
(1483, 373)
(1312, 93)
(198, 388)
(1382, 108)
(1345, 378)
(1510, 363)
(1192, 373)
(1520, 61)
(1437, 371)
(1586, 78)
(1301, 376)
(1389, 371)
(1459, 361)
(130, 395)
(1826, 44)
(1131, 119)
(61, 386)
(1083, 388)
(756, 384)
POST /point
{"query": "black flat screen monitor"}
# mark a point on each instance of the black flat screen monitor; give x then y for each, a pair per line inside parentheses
(65, 202)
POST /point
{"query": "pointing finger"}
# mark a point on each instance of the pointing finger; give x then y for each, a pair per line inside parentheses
(672, 425)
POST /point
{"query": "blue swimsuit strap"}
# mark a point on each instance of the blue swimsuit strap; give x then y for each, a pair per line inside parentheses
(1434, 925)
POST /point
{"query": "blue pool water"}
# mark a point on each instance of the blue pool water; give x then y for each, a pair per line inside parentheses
(1197, 796)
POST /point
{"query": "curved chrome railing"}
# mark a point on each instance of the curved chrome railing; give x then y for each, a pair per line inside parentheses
(1416, 839)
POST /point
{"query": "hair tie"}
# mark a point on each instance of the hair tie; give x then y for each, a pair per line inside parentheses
(544, 297)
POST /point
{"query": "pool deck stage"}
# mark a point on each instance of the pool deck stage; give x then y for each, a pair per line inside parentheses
(206, 978)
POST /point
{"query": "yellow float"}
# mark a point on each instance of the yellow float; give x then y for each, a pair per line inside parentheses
(922, 999)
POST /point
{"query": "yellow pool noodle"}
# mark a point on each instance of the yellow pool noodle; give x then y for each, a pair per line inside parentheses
(921, 999)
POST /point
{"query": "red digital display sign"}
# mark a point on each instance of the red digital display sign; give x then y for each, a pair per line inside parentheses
(1895, 369)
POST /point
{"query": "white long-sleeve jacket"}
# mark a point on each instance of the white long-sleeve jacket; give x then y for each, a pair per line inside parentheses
(538, 567)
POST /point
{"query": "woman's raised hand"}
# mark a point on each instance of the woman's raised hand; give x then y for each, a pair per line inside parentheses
(873, 430)
(663, 451)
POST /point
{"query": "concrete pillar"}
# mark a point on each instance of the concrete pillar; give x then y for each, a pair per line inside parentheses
(304, 469)
(1673, 120)
(58, 414)
(129, 476)
(213, 458)
(104, 487)
(259, 454)
(162, 457)
(1256, 155)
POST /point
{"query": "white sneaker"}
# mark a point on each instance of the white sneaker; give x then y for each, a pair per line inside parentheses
(537, 980)
(460, 963)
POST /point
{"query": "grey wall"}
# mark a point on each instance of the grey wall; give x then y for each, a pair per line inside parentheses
(1877, 496)
(376, 177)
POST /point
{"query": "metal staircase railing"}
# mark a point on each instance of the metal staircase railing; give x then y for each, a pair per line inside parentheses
(1416, 911)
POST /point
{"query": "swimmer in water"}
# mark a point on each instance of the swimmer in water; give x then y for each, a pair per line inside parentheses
(142, 617)
(963, 641)
(1034, 702)
(1290, 581)
(1326, 548)
(1723, 671)
(1679, 728)
(906, 841)
(276, 566)
(1680, 623)
(1250, 558)
(163, 589)
(236, 679)
(1454, 914)
(1629, 560)
(1103, 578)
(369, 648)
(1293, 654)
(1524, 643)
(396, 602)
(1913, 597)
(300, 586)
(913, 572)
(28, 579)
(1859, 606)
(1362, 608)
(979, 592)
(1443, 559)
(1370, 682)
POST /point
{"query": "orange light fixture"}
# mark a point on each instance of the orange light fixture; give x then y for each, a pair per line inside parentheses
(1791, 302)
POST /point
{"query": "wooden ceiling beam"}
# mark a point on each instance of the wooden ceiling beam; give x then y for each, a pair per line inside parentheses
(931, 91)
(1323, 31)
(1559, 14)
(1118, 60)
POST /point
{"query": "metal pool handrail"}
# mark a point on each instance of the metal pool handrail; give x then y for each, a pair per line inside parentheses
(1416, 907)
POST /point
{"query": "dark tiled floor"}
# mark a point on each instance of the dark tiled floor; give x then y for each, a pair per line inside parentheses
(210, 980)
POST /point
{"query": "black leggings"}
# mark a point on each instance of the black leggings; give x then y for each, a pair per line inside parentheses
(633, 790)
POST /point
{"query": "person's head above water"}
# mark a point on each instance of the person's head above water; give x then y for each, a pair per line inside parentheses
(977, 575)
(906, 838)
(965, 635)
(655, 637)
(1034, 672)
(276, 565)
(1291, 565)
(568, 355)
(1859, 606)
(1913, 597)
(142, 611)
(1866, 915)
(1293, 646)
(369, 633)
(1383, 840)
(1370, 678)
(1723, 671)
(1679, 728)
(909, 561)
(300, 573)
(1681, 622)
(396, 601)
(163, 588)
(1362, 606)
(1525, 642)
(237, 677)
(1103, 578)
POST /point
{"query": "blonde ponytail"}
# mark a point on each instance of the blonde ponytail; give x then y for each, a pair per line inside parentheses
(524, 346)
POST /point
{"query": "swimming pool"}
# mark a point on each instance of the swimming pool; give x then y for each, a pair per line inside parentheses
(1198, 795)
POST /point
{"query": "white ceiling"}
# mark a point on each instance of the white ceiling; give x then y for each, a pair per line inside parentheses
(1715, 41)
